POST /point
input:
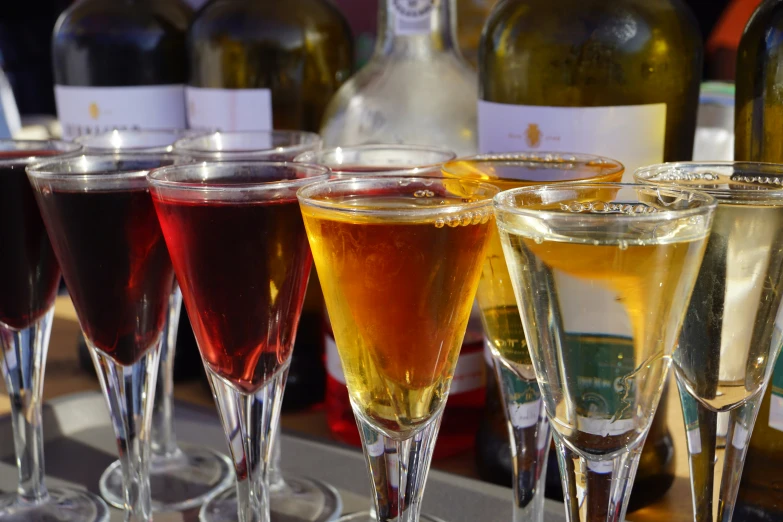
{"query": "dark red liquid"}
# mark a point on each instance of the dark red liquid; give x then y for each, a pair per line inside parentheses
(28, 269)
(243, 271)
(115, 264)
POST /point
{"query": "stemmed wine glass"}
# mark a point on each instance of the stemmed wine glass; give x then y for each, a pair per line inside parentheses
(299, 499)
(241, 256)
(528, 428)
(105, 234)
(182, 476)
(732, 332)
(372, 160)
(399, 260)
(29, 276)
(597, 265)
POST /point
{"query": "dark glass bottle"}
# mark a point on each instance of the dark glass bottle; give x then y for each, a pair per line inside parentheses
(261, 65)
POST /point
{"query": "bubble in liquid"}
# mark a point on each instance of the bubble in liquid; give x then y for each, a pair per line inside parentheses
(46, 191)
(423, 194)
(538, 240)
(623, 244)
(439, 223)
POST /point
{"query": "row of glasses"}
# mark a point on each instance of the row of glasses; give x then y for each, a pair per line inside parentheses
(639, 388)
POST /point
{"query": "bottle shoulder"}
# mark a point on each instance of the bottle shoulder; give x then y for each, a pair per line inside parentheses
(764, 31)
(251, 20)
(627, 26)
(405, 102)
(94, 16)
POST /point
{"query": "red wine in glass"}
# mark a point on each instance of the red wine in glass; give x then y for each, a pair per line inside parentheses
(115, 263)
(28, 269)
(243, 271)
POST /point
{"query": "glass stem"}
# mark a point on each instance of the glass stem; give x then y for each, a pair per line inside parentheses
(164, 441)
(701, 428)
(23, 364)
(741, 422)
(276, 482)
(250, 421)
(398, 468)
(596, 489)
(130, 392)
(530, 436)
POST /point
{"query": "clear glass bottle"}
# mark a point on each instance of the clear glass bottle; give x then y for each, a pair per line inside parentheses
(416, 88)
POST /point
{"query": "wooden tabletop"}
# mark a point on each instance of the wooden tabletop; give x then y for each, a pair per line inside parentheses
(63, 376)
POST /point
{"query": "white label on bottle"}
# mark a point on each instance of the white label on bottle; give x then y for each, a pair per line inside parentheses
(631, 134)
(741, 436)
(334, 367)
(776, 412)
(93, 110)
(469, 374)
(694, 441)
(229, 109)
(526, 414)
(412, 16)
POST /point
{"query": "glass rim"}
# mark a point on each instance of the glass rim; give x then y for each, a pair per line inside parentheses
(306, 196)
(184, 146)
(502, 202)
(177, 134)
(156, 177)
(411, 147)
(69, 148)
(52, 169)
(610, 166)
(738, 195)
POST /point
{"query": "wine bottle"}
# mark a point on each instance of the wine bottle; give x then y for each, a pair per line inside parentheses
(416, 88)
(120, 64)
(263, 65)
(760, 496)
(759, 100)
(758, 116)
(618, 79)
(272, 65)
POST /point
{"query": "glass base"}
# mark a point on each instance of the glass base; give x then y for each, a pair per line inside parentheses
(368, 516)
(300, 500)
(63, 505)
(178, 482)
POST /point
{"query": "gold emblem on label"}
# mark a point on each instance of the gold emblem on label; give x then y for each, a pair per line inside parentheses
(94, 111)
(533, 135)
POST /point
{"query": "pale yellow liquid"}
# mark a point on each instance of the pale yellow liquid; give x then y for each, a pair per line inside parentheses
(651, 281)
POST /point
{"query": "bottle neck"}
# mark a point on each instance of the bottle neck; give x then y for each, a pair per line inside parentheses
(418, 28)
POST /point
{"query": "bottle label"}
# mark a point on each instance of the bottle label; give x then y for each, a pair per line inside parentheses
(599, 352)
(334, 367)
(631, 134)
(412, 16)
(776, 397)
(468, 376)
(93, 110)
(229, 109)
(522, 397)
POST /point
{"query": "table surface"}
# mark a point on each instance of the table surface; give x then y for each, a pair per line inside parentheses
(63, 376)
